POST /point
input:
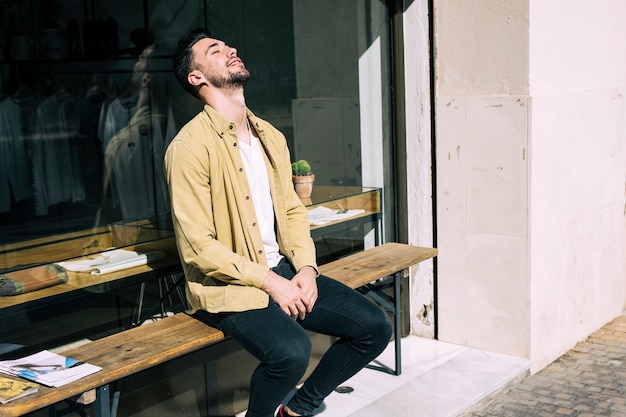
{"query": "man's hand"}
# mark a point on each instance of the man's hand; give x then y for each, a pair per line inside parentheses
(295, 297)
(286, 294)
(305, 279)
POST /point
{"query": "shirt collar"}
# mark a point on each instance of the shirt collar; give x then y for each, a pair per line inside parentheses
(222, 125)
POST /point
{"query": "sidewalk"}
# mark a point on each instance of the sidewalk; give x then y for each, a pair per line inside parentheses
(587, 381)
(444, 380)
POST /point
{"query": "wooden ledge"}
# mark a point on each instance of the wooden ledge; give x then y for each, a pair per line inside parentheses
(371, 264)
(121, 355)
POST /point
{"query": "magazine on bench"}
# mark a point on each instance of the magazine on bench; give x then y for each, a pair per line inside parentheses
(322, 215)
(48, 368)
(111, 261)
(12, 389)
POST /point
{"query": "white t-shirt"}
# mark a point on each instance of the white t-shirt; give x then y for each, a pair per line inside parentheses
(256, 171)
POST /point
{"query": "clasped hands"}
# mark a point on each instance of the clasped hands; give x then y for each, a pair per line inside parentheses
(296, 297)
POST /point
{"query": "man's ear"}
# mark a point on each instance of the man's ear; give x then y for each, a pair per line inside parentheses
(195, 78)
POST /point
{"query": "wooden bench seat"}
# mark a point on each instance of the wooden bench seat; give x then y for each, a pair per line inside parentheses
(129, 352)
(121, 355)
(378, 262)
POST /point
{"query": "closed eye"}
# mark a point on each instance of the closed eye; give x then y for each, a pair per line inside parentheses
(213, 48)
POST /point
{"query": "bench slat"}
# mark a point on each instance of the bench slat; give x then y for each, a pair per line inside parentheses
(124, 354)
(364, 267)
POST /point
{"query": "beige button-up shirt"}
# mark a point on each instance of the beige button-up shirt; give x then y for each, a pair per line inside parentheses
(217, 232)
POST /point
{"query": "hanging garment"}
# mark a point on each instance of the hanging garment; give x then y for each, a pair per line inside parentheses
(117, 115)
(55, 161)
(134, 166)
(15, 166)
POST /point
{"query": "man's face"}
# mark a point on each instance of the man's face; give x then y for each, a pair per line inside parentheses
(141, 66)
(219, 64)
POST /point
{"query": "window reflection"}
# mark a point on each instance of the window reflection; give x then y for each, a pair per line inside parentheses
(135, 133)
(80, 149)
(88, 102)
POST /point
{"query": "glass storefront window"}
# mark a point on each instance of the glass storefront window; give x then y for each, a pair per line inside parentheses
(88, 102)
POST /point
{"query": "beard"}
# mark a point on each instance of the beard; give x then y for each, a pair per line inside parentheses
(233, 81)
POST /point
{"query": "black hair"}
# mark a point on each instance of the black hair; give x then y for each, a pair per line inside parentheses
(182, 61)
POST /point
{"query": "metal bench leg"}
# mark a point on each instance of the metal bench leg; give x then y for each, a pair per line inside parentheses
(101, 405)
(176, 281)
(163, 296)
(393, 305)
(398, 321)
(116, 398)
(136, 317)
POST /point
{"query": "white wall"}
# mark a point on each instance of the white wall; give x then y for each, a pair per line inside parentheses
(576, 45)
(577, 242)
(419, 167)
(482, 119)
(481, 47)
(531, 172)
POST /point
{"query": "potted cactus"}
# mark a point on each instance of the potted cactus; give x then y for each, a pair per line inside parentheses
(303, 179)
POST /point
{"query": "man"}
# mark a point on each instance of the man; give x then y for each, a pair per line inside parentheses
(244, 240)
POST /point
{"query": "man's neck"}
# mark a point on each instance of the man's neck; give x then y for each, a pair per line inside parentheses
(231, 105)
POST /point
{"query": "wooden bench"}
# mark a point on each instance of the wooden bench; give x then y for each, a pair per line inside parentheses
(141, 348)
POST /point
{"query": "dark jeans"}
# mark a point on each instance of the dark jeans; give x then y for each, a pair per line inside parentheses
(283, 347)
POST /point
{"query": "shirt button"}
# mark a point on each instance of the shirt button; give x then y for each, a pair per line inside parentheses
(253, 224)
(231, 127)
(235, 144)
(247, 197)
(260, 252)
(240, 169)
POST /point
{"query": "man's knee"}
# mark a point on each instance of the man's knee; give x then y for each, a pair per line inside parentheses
(290, 355)
(380, 330)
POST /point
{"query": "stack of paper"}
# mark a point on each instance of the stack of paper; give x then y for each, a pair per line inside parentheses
(322, 215)
(111, 261)
(48, 368)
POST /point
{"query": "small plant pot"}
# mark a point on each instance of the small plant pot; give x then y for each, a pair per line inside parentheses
(303, 185)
